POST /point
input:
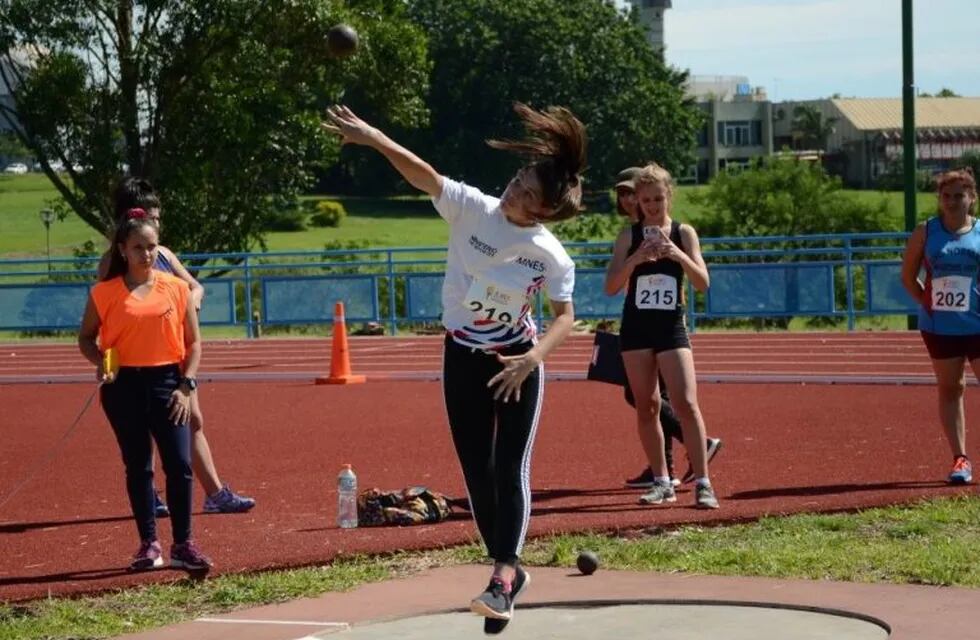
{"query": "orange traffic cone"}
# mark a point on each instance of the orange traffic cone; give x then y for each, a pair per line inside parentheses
(339, 353)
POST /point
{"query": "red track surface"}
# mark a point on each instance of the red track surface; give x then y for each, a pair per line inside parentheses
(754, 357)
(788, 448)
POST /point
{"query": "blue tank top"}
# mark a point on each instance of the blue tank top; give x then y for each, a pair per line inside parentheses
(951, 261)
(163, 263)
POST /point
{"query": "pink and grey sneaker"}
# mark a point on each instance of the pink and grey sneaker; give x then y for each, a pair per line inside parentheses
(188, 557)
(149, 556)
(227, 501)
(962, 472)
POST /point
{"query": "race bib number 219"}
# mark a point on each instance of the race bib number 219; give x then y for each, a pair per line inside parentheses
(493, 303)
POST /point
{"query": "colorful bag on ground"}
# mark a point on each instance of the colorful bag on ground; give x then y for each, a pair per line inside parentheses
(412, 505)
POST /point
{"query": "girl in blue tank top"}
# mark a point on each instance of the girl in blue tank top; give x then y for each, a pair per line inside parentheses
(947, 248)
(951, 260)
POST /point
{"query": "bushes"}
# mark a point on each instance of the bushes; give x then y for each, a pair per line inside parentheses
(785, 198)
(328, 213)
(285, 220)
(322, 213)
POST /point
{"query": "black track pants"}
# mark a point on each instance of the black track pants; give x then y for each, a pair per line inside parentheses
(493, 440)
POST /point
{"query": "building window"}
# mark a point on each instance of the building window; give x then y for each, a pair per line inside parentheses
(703, 136)
(740, 133)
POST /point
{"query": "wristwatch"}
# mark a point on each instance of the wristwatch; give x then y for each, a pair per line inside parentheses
(190, 382)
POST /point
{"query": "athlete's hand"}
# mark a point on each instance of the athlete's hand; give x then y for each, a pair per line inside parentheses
(646, 252)
(665, 247)
(515, 372)
(101, 375)
(180, 406)
(348, 126)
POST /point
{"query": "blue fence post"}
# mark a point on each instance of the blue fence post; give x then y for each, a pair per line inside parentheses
(249, 323)
(392, 312)
(849, 271)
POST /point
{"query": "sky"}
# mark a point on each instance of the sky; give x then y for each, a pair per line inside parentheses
(807, 49)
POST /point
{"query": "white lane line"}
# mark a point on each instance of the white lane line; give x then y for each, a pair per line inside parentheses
(292, 623)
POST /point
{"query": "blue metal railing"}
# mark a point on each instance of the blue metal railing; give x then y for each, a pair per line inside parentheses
(836, 275)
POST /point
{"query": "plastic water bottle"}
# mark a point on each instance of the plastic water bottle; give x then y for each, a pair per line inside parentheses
(346, 498)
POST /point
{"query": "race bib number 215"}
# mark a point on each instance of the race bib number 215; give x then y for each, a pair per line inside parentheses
(656, 291)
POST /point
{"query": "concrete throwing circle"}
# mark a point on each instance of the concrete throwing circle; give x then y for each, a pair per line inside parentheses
(699, 621)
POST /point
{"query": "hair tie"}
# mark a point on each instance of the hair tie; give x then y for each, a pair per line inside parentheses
(135, 213)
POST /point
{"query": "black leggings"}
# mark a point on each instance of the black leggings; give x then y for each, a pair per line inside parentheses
(137, 406)
(493, 441)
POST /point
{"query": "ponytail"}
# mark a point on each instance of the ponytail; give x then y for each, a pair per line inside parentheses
(555, 145)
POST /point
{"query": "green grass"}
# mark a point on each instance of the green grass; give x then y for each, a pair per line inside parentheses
(21, 232)
(401, 222)
(932, 542)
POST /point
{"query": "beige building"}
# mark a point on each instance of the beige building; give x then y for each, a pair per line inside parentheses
(738, 126)
(867, 135)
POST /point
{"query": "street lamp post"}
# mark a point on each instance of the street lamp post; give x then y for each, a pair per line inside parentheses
(47, 217)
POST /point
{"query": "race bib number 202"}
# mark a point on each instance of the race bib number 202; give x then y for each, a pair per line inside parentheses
(951, 293)
(656, 291)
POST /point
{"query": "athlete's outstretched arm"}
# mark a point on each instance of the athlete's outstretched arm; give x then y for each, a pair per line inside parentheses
(414, 169)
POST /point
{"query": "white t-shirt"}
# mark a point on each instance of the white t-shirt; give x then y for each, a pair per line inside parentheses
(494, 269)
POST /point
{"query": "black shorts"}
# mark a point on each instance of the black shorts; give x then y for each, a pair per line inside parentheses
(654, 333)
(941, 347)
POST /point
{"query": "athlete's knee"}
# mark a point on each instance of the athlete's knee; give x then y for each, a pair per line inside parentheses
(687, 408)
(951, 389)
(197, 419)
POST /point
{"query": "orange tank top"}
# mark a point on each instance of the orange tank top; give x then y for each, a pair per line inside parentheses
(148, 331)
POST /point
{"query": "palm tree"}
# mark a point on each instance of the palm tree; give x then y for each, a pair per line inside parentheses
(810, 129)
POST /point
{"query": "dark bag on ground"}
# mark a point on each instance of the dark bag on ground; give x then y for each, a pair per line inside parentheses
(412, 505)
(607, 361)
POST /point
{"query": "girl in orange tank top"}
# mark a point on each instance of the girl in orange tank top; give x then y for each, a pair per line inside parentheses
(145, 316)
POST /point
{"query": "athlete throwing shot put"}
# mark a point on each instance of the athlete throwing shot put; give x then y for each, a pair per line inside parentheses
(500, 257)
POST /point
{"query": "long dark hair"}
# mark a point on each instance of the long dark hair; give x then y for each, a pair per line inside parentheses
(555, 145)
(134, 193)
(131, 221)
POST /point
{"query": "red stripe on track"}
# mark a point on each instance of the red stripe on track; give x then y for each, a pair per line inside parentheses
(762, 355)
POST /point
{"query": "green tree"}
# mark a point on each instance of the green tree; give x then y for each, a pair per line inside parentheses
(969, 159)
(581, 54)
(810, 129)
(785, 197)
(216, 101)
(11, 147)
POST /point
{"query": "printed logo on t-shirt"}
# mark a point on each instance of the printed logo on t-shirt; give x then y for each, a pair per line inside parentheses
(536, 265)
(482, 247)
